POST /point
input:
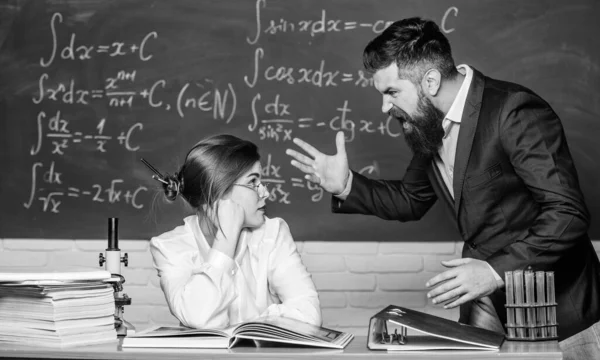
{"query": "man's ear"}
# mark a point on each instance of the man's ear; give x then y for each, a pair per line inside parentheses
(432, 81)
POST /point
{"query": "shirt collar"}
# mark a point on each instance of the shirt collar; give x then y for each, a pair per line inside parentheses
(458, 105)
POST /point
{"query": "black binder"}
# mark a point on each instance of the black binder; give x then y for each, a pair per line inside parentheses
(438, 333)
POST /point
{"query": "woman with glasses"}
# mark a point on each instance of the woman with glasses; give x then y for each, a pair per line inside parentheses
(229, 262)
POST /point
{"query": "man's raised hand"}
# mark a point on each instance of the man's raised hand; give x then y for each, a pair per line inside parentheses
(328, 171)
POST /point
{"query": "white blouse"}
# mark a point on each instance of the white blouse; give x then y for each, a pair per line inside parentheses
(207, 289)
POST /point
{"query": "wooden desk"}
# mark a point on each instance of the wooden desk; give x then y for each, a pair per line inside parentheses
(357, 349)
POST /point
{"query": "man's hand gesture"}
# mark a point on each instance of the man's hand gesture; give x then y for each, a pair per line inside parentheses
(329, 171)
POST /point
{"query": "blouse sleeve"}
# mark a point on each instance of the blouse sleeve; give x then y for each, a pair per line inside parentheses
(198, 296)
(291, 282)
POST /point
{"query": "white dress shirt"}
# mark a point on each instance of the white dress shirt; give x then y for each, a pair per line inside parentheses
(451, 125)
(205, 288)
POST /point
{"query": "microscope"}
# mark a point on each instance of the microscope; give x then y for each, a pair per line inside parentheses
(113, 262)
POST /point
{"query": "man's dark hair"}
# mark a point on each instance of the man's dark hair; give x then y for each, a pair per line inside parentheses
(415, 45)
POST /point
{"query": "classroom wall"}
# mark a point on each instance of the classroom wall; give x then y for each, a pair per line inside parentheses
(354, 279)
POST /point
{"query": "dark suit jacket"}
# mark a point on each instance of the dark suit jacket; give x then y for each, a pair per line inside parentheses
(517, 198)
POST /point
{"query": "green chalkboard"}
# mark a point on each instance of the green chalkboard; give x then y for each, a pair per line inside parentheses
(87, 88)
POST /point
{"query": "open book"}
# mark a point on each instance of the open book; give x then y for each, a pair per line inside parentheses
(262, 331)
(435, 333)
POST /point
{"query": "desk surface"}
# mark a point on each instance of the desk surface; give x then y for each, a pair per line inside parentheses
(357, 349)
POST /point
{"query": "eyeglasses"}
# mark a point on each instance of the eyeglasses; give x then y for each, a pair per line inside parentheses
(260, 188)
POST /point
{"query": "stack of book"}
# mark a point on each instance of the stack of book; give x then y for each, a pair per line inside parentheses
(59, 308)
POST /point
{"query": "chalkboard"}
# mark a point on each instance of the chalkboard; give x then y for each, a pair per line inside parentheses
(87, 88)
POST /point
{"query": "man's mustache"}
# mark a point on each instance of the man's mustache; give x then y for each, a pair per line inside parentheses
(399, 114)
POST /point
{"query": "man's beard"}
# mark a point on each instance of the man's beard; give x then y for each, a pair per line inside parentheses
(423, 132)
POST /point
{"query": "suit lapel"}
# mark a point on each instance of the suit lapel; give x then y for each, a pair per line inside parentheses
(440, 186)
(468, 126)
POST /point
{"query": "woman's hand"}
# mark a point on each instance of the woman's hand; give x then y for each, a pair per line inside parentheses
(230, 219)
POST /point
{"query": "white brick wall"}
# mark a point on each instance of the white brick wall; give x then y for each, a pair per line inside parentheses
(354, 279)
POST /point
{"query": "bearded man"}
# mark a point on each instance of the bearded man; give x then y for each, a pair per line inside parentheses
(496, 153)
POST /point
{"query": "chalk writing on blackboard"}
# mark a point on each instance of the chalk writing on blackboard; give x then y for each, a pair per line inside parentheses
(51, 199)
(324, 24)
(96, 85)
(453, 10)
(57, 130)
(273, 119)
(74, 51)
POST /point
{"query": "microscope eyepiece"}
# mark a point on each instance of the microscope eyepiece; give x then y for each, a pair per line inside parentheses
(113, 234)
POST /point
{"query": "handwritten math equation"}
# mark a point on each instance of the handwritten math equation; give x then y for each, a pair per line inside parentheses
(54, 190)
(274, 119)
(56, 131)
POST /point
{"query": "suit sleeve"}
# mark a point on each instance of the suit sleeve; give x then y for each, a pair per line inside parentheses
(533, 138)
(291, 282)
(403, 200)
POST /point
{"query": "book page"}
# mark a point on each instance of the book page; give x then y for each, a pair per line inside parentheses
(191, 341)
(290, 326)
(292, 331)
(179, 331)
(41, 275)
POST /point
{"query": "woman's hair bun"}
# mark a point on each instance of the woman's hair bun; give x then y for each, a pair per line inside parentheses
(174, 186)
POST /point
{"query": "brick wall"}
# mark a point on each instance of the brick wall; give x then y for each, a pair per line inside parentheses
(354, 279)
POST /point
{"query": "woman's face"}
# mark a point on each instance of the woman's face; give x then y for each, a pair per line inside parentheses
(251, 195)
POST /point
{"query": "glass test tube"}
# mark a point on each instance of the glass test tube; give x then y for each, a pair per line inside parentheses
(550, 296)
(519, 314)
(540, 283)
(530, 301)
(510, 300)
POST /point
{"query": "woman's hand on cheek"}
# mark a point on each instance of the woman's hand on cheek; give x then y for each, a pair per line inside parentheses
(231, 219)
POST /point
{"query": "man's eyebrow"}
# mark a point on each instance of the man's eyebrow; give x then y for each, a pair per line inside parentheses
(253, 174)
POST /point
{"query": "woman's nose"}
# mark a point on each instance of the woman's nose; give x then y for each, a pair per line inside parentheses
(265, 191)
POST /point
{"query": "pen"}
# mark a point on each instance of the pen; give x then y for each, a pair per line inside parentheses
(158, 176)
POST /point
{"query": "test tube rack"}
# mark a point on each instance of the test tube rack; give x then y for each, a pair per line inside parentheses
(530, 305)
